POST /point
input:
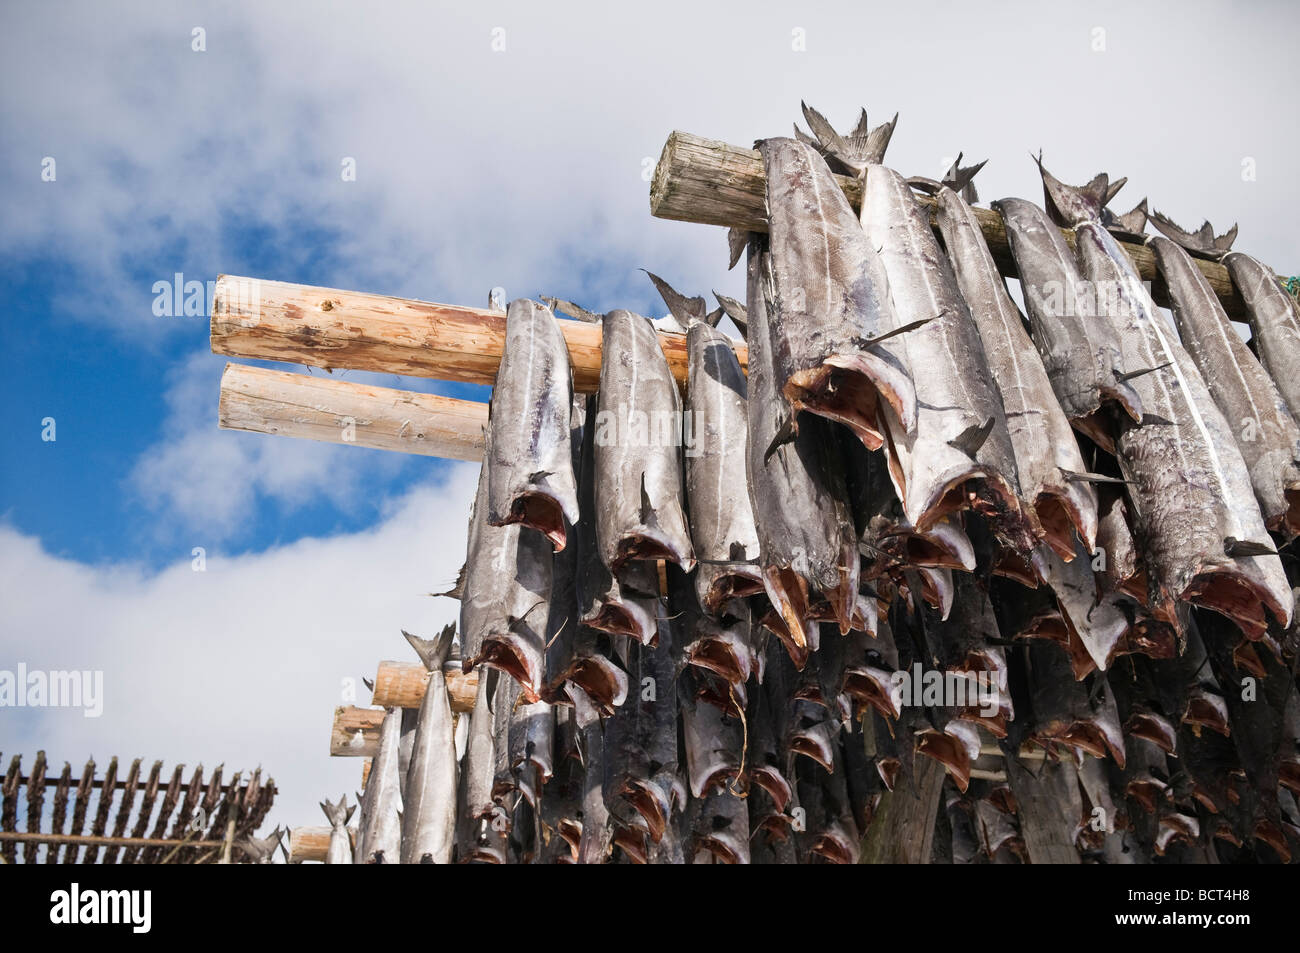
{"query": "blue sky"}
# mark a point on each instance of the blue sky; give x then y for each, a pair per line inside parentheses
(476, 167)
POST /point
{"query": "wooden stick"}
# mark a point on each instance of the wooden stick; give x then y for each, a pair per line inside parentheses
(402, 684)
(326, 327)
(714, 183)
(355, 732)
(334, 411)
(312, 843)
(90, 840)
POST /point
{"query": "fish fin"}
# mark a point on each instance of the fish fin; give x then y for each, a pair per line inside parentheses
(737, 242)
(1111, 189)
(539, 475)
(1244, 547)
(713, 317)
(1074, 477)
(958, 178)
(827, 139)
(873, 152)
(1224, 242)
(337, 814)
(1155, 420)
(787, 432)
(571, 310)
(1069, 205)
(433, 652)
(370, 686)
(738, 313)
(1167, 227)
(1129, 375)
(972, 438)
(923, 184)
(458, 590)
(686, 310)
(497, 299)
(1133, 222)
(903, 329)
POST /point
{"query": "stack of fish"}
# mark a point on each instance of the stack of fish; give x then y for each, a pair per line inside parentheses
(709, 620)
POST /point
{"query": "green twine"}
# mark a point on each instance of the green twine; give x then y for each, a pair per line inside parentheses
(1292, 285)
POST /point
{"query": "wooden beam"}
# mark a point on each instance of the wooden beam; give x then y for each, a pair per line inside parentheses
(326, 327)
(91, 840)
(713, 183)
(355, 732)
(402, 684)
(902, 828)
(380, 418)
(312, 843)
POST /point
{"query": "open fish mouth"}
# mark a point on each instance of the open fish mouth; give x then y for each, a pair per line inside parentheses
(835, 846)
(944, 545)
(734, 582)
(720, 656)
(1207, 710)
(1061, 518)
(603, 681)
(771, 780)
(721, 847)
(846, 388)
(1154, 728)
(872, 686)
(1147, 791)
(539, 511)
(632, 842)
(1092, 736)
(788, 592)
(955, 748)
(648, 545)
(1272, 835)
(624, 618)
(1230, 592)
(1288, 523)
(888, 767)
(516, 655)
(652, 804)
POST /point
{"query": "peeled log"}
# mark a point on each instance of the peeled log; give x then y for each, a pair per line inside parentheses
(902, 829)
(380, 418)
(327, 327)
(402, 684)
(311, 843)
(714, 183)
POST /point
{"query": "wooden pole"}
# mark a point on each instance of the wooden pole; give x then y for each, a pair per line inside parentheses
(312, 843)
(713, 183)
(326, 327)
(902, 829)
(90, 840)
(380, 418)
(402, 684)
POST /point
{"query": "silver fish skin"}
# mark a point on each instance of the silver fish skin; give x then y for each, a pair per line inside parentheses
(532, 728)
(713, 741)
(620, 604)
(340, 848)
(638, 454)
(722, 828)
(1081, 355)
(429, 800)
(939, 465)
(531, 480)
(597, 826)
(1190, 486)
(722, 520)
(1041, 437)
(476, 838)
(1273, 322)
(1266, 432)
(807, 542)
(507, 588)
(829, 300)
(380, 839)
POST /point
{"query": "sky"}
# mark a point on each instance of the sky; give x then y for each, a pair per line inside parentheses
(494, 144)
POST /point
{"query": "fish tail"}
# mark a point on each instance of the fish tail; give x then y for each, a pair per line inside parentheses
(433, 652)
(339, 814)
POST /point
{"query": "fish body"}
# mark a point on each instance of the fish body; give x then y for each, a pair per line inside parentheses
(507, 588)
(959, 455)
(429, 800)
(1080, 354)
(477, 839)
(380, 839)
(722, 520)
(1273, 322)
(531, 480)
(807, 543)
(1265, 431)
(340, 847)
(637, 437)
(1041, 438)
(829, 301)
(1190, 485)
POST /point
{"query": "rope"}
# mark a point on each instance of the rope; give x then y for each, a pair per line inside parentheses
(1292, 285)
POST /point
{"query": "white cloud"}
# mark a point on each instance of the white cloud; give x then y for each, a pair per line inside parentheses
(241, 663)
(208, 481)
